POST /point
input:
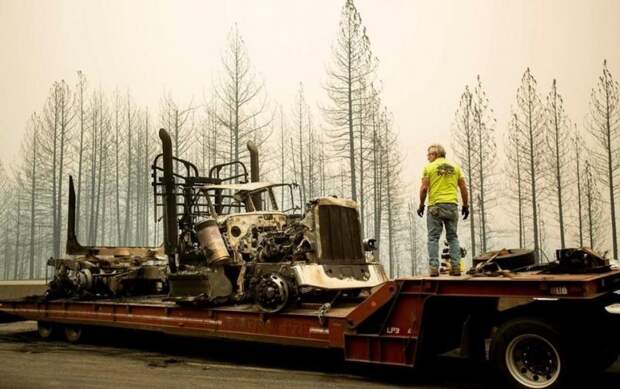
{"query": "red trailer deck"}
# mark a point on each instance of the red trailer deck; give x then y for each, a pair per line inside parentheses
(399, 323)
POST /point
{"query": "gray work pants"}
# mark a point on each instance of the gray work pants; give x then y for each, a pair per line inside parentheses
(440, 216)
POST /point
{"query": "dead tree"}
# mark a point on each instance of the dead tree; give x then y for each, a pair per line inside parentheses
(530, 117)
(300, 119)
(485, 158)
(147, 158)
(179, 121)
(514, 171)
(81, 117)
(209, 137)
(32, 154)
(393, 192)
(464, 144)
(604, 126)
(559, 154)
(131, 121)
(104, 140)
(55, 139)
(352, 66)
(242, 102)
(592, 198)
(95, 134)
(282, 154)
(17, 234)
(367, 108)
(376, 122)
(475, 149)
(27, 175)
(5, 219)
(578, 147)
(311, 143)
(118, 118)
(416, 245)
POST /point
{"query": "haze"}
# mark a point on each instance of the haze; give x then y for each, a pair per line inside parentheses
(428, 51)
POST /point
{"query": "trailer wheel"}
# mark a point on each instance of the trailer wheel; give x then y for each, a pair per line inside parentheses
(528, 353)
(46, 330)
(73, 333)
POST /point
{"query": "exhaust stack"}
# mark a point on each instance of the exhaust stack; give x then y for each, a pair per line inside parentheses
(73, 246)
(171, 231)
(254, 172)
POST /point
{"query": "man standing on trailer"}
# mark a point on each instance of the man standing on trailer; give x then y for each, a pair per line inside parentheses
(440, 179)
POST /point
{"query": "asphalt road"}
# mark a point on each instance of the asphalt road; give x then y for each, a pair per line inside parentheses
(121, 359)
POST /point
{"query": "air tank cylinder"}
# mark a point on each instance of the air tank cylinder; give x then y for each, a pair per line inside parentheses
(211, 242)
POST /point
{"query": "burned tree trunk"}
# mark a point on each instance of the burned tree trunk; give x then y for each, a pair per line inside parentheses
(605, 128)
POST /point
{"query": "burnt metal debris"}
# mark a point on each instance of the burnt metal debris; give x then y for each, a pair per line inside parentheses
(226, 241)
(568, 261)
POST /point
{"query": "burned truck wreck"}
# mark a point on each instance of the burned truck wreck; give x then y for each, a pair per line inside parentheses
(227, 240)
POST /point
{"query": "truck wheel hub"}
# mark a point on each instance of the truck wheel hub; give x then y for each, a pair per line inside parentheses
(533, 361)
(272, 293)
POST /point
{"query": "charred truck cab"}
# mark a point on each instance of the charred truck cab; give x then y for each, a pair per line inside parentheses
(228, 241)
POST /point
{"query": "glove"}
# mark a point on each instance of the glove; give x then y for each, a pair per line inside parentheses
(421, 210)
(465, 212)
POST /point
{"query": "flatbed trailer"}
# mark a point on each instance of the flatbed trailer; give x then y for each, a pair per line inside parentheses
(569, 324)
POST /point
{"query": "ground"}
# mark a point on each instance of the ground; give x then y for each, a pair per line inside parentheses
(121, 359)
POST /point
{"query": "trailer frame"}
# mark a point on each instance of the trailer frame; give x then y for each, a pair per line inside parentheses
(395, 325)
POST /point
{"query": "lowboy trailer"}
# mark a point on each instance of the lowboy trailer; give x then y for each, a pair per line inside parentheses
(543, 329)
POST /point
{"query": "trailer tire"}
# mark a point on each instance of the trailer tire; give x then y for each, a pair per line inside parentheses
(547, 364)
(73, 334)
(46, 330)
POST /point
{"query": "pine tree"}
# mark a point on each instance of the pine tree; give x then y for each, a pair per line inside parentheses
(242, 103)
(559, 154)
(464, 144)
(531, 139)
(604, 126)
(592, 198)
(352, 67)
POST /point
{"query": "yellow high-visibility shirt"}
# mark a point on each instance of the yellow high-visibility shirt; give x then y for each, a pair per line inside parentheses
(443, 178)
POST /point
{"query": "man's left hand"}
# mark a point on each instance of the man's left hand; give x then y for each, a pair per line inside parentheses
(421, 210)
(465, 212)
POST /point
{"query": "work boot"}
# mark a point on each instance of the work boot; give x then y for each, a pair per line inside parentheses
(434, 272)
(455, 271)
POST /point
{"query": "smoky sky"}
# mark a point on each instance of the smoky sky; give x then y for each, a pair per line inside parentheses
(428, 51)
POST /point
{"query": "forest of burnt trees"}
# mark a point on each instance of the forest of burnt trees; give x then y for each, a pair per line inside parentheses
(106, 140)
(556, 182)
(550, 183)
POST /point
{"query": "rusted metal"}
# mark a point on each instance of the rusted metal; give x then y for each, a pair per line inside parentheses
(504, 259)
(379, 297)
(393, 350)
(385, 328)
(534, 285)
(243, 322)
